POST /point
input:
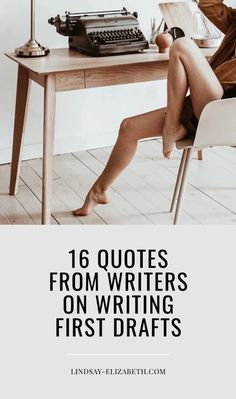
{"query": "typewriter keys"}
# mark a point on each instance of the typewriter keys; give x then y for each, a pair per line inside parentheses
(111, 36)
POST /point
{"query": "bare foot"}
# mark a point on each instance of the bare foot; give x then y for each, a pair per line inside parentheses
(170, 136)
(93, 198)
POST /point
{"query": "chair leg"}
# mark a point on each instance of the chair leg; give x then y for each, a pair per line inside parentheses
(178, 180)
(183, 186)
(199, 155)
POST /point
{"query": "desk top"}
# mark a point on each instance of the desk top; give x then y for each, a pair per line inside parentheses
(65, 59)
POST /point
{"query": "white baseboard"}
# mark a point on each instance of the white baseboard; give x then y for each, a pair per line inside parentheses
(32, 151)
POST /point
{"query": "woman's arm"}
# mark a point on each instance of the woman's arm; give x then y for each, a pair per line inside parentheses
(217, 12)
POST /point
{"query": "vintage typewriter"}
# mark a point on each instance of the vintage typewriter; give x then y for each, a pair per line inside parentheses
(103, 32)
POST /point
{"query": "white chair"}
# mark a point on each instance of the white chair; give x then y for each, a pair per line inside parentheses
(216, 127)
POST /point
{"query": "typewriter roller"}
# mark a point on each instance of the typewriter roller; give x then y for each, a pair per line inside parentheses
(103, 32)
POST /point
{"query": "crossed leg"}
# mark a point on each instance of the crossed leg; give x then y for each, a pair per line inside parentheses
(188, 68)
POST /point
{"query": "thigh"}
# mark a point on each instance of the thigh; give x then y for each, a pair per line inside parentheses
(149, 124)
(203, 83)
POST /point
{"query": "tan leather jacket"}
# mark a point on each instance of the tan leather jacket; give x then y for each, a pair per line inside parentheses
(223, 61)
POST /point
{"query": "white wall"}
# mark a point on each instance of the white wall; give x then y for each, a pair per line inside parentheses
(85, 119)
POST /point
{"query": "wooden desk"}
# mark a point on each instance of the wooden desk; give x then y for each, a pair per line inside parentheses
(64, 70)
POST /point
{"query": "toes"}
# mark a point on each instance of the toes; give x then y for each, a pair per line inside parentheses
(167, 154)
(80, 212)
(167, 150)
(92, 200)
(76, 212)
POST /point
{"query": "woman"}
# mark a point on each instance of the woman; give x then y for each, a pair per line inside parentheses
(188, 69)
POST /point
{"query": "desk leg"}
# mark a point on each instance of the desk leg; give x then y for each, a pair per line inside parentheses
(48, 144)
(22, 96)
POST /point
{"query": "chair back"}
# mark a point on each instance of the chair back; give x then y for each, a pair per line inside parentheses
(217, 124)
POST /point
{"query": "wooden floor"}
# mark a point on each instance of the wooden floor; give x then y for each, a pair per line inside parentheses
(142, 195)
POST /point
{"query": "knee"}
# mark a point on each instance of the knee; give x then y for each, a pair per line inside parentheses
(181, 46)
(125, 128)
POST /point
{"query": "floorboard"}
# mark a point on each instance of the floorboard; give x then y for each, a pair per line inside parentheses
(141, 195)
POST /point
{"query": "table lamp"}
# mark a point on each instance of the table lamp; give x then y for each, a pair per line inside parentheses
(32, 48)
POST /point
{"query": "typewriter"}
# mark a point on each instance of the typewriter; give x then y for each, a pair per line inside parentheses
(102, 33)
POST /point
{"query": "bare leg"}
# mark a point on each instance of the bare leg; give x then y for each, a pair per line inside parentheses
(132, 129)
(188, 68)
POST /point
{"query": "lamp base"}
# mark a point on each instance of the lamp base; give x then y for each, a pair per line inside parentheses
(32, 49)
